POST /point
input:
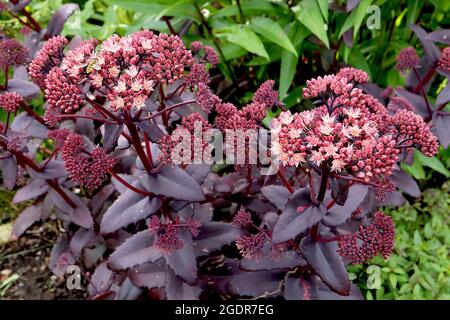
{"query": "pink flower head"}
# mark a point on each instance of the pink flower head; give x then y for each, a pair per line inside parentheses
(407, 59)
(50, 56)
(59, 136)
(207, 100)
(167, 240)
(399, 103)
(251, 246)
(386, 227)
(196, 46)
(12, 53)
(60, 93)
(197, 75)
(327, 84)
(414, 131)
(353, 75)
(211, 56)
(444, 61)
(89, 169)
(242, 218)
(10, 101)
(169, 58)
(267, 95)
(75, 62)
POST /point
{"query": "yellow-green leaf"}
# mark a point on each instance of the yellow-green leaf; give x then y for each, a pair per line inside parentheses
(273, 32)
(310, 15)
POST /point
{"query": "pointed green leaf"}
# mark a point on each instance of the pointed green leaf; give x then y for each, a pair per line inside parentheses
(244, 37)
(356, 18)
(310, 15)
(273, 32)
(323, 4)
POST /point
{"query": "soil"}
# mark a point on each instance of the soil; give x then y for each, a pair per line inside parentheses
(29, 257)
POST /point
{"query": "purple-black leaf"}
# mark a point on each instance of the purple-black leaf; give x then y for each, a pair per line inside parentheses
(134, 251)
(80, 215)
(213, 236)
(177, 289)
(152, 130)
(442, 127)
(183, 261)
(392, 199)
(25, 88)
(128, 291)
(18, 6)
(26, 123)
(256, 283)
(405, 182)
(442, 36)
(348, 37)
(81, 239)
(432, 52)
(25, 220)
(53, 169)
(60, 17)
(299, 215)
(111, 135)
(286, 260)
(444, 96)
(277, 195)
(339, 190)
(174, 182)
(98, 200)
(33, 189)
(327, 263)
(101, 279)
(149, 275)
(60, 257)
(9, 172)
(198, 171)
(129, 208)
(339, 214)
(417, 101)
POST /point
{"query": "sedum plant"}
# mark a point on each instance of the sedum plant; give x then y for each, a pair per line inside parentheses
(125, 155)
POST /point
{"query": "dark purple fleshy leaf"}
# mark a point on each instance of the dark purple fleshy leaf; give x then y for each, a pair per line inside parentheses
(255, 283)
(80, 215)
(432, 52)
(101, 279)
(339, 214)
(134, 251)
(9, 172)
(91, 256)
(411, 78)
(19, 6)
(416, 100)
(152, 130)
(60, 257)
(348, 37)
(128, 291)
(98, 200)
(56, 23)
(129, 208)
(351, 4)
(119, 186)
(149, 275)
(442, 128)
(25, 220)
(392, 199)
(299, 215)
(110, 136)
(26, 123)
(53, 169)
(373, 89)
(174, 182)
(81, 239)
(25, 88)
(33, 189)
(277, 195)
(444, 96)
(213, 236)
(286, 260)
(339, 190)
(85, 127)
(198, 171)
(405, 182)
(183, 261)
(177, 289)
(442, 36)
(327, 263)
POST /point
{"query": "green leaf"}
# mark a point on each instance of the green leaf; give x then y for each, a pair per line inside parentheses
(251, 7)
(432, 162)
(273, 32)
(357, 59)
(356, 18)
(416, 169)
(244, 37)
(310, 15)
(323, 4)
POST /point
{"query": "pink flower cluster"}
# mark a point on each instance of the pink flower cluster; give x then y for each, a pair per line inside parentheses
(10, 101)
(444, 61)
(242, 218)
(50, 56)
(61, 94)
(413, 131)
(399, 103)
(407, 59)
(76, 61)
(207, 100)
(371, 240)
(89, 169)
(59, 136)
(12, 53)
(325, 85)
(210, 55)
(168, 233)
(353, 75)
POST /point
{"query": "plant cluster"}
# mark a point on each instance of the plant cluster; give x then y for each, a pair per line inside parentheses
(139, 223)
